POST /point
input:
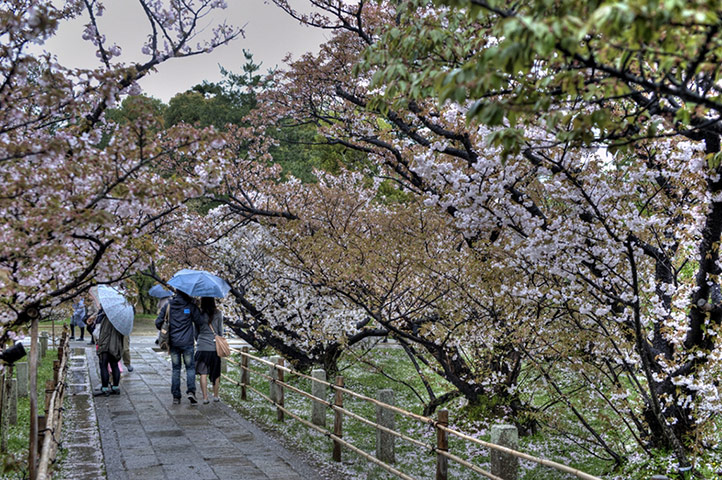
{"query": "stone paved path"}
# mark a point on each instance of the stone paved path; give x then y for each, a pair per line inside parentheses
(144, 436)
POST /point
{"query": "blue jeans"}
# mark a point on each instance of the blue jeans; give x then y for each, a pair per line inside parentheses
(186, 353)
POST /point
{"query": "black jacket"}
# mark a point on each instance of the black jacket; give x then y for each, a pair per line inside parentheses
(110, 340)
(185, 318)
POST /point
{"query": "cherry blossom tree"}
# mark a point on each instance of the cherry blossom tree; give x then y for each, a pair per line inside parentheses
(83, 196)
(589, 193)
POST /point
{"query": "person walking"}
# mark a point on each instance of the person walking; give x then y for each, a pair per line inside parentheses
(126, 349)
(90, 312)
(109, 349)
(126, 353)
(184, 319)
(208, 363)
(78, 320)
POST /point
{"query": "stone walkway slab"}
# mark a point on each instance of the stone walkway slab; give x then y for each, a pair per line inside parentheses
(80, 437)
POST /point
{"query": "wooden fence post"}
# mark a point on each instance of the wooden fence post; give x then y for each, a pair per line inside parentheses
(279, 391)
(244, 371)
(56, 370)
(33, 387)
(42, 424)
(49, 389)
(273, 373)
(3, 415)
(318, 390)
(385, 417)
(338, 420)
(442, 445)
(502, 464)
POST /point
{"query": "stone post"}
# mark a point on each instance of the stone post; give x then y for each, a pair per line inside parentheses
(22, 375)
(318, 390)
(502, 464)
(43, 344)
(273, 391)
(12, 399)
(385, 417)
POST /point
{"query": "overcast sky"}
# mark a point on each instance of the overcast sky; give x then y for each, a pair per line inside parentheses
(269, 34)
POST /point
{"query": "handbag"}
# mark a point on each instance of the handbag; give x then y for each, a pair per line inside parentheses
(164, 335)
(222, 347)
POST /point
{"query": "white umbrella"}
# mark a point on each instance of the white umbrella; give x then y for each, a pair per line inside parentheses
(116, 308)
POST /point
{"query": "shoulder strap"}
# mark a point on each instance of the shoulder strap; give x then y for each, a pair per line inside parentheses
(210, 324)
(167, 311)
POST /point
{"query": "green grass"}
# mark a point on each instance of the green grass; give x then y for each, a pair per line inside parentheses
(410, 459)
(14, 463)
(144, 325)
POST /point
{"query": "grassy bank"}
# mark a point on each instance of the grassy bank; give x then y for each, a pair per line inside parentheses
(14, 461)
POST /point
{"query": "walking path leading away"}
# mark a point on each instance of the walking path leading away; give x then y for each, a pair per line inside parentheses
(144, 436)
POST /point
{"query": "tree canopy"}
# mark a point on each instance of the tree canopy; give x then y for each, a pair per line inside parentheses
(526, 196)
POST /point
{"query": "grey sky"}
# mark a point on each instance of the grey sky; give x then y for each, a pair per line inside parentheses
(270, 35)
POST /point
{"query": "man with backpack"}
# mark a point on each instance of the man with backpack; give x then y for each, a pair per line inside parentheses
(184, 318)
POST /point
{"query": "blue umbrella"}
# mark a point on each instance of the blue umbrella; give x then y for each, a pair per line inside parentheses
(158, 291)
(117, 308)
(199, 283)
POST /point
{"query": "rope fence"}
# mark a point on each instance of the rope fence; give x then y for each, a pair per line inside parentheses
(54, 394)
(277, 385)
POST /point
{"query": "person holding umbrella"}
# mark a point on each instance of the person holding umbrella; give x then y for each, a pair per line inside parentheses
(163, 297)
(113, 321)
(109, 349)
(185, 319)
(208, 363)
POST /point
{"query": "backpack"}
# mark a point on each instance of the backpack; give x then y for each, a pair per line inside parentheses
(164, 336)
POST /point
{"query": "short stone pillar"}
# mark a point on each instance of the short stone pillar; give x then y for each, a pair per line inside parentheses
(318, 390)
(224, 365)
(12, 398)
(43, 344)
(502, 464)
(273, 390)
(385, 417)
(21, 370)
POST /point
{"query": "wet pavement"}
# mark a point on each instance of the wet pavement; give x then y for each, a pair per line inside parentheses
(141, 434)
(80, 436)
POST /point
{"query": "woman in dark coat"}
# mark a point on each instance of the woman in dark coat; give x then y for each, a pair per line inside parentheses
(110, 349)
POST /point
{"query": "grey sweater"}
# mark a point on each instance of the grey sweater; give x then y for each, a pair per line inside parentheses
(205, 341)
